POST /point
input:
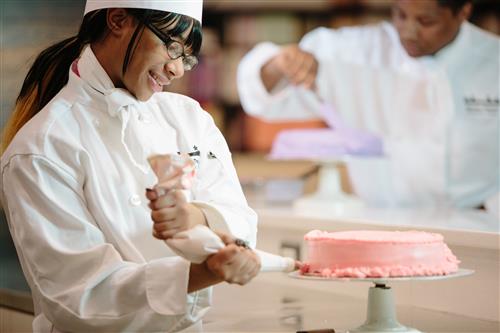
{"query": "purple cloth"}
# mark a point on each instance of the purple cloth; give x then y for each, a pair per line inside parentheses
(338, 140)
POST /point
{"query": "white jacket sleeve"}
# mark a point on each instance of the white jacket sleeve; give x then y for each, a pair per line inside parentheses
(367, 47)
(218, 192)
(78, 279)
(285, 102)
(288, 102)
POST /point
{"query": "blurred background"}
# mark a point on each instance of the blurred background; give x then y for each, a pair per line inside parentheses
(230, 29)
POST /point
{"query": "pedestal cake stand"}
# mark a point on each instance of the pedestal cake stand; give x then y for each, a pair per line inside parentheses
(381, 309)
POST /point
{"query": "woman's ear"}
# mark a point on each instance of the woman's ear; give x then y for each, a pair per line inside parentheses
(118, 21)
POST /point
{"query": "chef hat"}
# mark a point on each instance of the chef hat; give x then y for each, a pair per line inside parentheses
(192, 8)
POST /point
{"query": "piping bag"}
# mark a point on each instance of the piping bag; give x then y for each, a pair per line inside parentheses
(199, 242)
(338, 140)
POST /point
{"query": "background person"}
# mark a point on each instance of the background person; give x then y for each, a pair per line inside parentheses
(427, 83)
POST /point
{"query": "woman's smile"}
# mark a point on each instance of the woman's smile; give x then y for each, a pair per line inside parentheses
(157, 81)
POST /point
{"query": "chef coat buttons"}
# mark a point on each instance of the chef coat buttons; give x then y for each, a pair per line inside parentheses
(145, 117)
(135, 200)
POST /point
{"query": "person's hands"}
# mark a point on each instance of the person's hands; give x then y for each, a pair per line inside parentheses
(298, 265)
(171, 213)
(233, 263)
(297, 66)
(170, 210)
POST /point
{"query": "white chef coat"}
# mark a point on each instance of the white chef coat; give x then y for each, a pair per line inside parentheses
(438, 115)
(74, 181)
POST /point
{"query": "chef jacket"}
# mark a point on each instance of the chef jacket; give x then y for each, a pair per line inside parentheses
(74, 181)
(438, 115)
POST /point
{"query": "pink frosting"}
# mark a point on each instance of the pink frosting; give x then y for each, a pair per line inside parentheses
(376, 236)
(378, 254)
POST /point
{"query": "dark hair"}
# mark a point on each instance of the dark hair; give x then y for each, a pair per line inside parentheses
(50, 70)
(454, 5)
(174, 24)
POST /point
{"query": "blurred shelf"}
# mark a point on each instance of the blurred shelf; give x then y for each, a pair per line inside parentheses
(266, 5)
(311, 6)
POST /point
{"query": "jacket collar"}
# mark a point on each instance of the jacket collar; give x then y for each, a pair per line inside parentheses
(91, 71)
(453, 53)
(119, 102)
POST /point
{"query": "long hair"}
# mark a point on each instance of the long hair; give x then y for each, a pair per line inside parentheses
(50, 70)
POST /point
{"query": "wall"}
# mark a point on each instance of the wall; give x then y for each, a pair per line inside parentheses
(27, 28)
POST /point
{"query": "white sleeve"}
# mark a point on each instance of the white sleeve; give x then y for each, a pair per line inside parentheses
(218, 192)
(285, 102)
(253, 95)
(78, 279)
(334, 49)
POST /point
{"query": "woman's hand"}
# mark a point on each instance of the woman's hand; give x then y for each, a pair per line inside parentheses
(171, 213)
(299, 265)
(297, 66)
(234, 263)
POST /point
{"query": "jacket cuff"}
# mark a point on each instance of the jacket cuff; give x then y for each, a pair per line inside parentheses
(215, 219)
(167, 298)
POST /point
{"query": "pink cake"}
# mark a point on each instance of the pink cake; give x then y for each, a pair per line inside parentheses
(378, 254)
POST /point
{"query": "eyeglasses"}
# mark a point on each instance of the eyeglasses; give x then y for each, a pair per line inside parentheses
(175, 49)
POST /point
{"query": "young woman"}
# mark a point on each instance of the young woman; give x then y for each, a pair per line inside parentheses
(75, 172)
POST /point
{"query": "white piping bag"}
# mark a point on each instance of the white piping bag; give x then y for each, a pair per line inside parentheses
(197, 243)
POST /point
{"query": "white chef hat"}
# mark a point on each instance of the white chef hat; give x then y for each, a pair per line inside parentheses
(192, 8)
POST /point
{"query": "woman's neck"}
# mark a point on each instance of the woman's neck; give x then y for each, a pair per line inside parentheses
(106, 55)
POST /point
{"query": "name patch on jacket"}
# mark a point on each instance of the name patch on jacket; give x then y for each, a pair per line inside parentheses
(485, 105)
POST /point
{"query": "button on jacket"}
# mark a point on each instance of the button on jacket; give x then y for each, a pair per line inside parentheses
(73, 189)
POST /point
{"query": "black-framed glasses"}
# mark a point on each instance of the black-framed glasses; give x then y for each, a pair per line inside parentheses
(175, 49)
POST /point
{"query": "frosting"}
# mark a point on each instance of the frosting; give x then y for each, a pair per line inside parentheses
(378, 254)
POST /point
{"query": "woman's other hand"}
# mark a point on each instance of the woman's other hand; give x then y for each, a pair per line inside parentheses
(170, 210)
(171, 213)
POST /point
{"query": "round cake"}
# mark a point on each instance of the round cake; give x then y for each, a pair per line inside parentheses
(377, 254)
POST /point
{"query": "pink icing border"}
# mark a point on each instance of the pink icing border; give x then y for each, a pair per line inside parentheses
(389, 271)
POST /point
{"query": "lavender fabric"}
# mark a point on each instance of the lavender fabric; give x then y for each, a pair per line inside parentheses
(338, 140)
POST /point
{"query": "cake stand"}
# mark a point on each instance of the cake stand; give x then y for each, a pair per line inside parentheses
(329, 197)
(381, 310)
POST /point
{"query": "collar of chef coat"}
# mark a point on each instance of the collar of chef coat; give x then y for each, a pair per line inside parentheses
(119, 102)
(455, 52)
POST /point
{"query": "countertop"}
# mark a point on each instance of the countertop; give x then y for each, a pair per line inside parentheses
(266, 305)
(276, 303)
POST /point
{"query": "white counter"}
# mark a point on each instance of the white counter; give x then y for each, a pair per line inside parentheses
(473, 236)
(268, 305)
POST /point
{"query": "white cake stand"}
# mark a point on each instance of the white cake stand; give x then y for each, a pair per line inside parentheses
(381, 311)
(329, 197)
